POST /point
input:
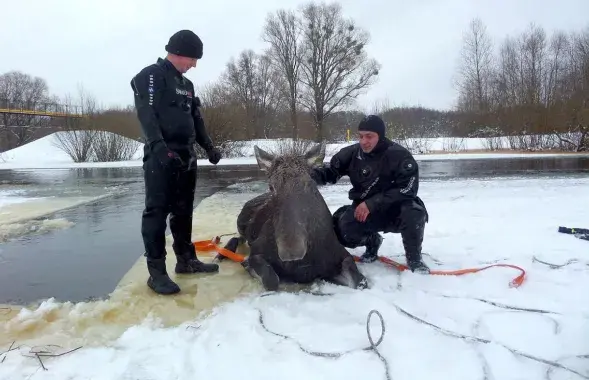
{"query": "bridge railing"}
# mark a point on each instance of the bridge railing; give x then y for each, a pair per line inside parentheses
(40, 108)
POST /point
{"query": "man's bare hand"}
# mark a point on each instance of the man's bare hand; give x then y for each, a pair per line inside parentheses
(361, 212)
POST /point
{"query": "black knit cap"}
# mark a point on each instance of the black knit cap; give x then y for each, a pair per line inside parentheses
(186, 44)
(373, 123)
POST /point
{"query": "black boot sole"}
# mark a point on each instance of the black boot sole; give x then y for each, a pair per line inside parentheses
(419, 268)
(204, 268)
(164, 288)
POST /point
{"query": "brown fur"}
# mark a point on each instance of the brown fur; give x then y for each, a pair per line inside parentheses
(290, 228)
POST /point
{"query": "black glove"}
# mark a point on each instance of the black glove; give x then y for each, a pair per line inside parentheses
(167, 157)
(315, 175)
(214, 155)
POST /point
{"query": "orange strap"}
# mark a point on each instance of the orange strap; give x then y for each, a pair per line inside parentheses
(213, 245)
(515, 283)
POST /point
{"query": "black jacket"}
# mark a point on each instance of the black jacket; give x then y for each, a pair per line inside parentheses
(167, 108)
(383, 178)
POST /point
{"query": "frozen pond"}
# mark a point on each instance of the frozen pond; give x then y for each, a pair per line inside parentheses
(73, 233)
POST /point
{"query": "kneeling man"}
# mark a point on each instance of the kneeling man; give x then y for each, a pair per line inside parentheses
(385, 181)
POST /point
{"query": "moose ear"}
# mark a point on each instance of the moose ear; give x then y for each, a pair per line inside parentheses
(264, 158)
(316, 155)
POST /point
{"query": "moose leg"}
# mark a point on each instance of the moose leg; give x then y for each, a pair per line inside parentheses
(249, 221)
(350, 275)
(231, 245)
(260, 269)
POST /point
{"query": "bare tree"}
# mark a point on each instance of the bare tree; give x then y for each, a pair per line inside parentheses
(223, 116)
(273, 93)
(108, 146)
(476, 68)
(252, 82)
(334, 65)
(533, 62)
(506, 91)
(556, 70)
(574, 108)
(25, 93)
(282, 31)
(523, 68)
(78, 133)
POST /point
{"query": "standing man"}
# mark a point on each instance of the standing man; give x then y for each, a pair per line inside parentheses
(385, 180)
(171, 124)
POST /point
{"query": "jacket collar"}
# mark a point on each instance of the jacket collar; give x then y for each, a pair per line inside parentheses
(168, 66)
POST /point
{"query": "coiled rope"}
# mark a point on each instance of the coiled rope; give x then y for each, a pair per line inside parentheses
(372, 347)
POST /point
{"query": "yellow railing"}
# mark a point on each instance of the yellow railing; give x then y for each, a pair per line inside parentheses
(15, 111)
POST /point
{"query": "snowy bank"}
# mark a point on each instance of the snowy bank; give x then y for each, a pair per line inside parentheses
(44, 154)
(523, 333)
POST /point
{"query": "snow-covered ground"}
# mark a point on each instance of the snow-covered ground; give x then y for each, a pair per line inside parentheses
(427, 318)
(43, 154)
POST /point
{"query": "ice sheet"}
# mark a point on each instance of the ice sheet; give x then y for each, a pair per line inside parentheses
(471, 223)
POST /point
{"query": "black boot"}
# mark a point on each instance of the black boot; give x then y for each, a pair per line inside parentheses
(188, 263)
(416, 264)
(190, 266)
(372, 243)
(412, 241)
(159, 281)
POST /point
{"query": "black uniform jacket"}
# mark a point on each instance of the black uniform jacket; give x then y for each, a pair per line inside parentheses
(167, 108)
(383, 178)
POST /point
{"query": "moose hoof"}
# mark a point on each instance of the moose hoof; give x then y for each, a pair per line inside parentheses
(269, 278)
(362, 284)
(261, 270)
(271, 284)
(232, 244)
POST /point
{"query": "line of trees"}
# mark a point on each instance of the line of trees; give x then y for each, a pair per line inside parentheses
(532, 88)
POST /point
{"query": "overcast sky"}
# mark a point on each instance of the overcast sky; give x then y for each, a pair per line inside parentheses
(101, 44)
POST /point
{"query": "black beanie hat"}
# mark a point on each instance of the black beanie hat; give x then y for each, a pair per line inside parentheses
(186, 44)
(373, 123)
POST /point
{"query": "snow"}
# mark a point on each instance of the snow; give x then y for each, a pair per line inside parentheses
(472, 223)
(44, 154)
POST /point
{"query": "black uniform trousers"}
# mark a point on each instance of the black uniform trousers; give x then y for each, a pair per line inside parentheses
(168, 191)
(407, 218)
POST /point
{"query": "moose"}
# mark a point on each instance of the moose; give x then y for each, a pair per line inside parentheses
(289, 228)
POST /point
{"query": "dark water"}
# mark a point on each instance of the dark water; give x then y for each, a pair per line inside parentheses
(88, 259)
(477, 168)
